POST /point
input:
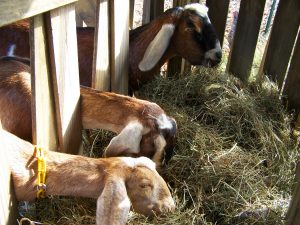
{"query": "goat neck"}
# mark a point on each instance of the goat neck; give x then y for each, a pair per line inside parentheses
(113, 112)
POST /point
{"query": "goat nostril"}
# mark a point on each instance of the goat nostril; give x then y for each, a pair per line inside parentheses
(219, 55)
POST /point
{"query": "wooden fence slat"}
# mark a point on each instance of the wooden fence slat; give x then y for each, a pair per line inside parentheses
(101, 69)
(146, 11)
(217, 13)
(157, 8)
(293, 216)
(14, 10)
(292, 83)
(8, 203)
(64, 68)
(43, 109)
(176, 65)
(131, 13)
(245, 38)
(281, 40)
(119, 45)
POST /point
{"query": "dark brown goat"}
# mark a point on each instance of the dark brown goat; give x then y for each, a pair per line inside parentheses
(143, 128)
(186, 32)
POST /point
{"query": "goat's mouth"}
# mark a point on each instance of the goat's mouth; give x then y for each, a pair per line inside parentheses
(210, 63)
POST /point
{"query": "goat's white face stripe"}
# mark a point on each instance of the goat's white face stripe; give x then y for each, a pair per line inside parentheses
(157, 47)
(141, 161)
(202, 10)
(163, 122)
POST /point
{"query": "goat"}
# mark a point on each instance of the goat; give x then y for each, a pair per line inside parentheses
(143, 128)
(116, 183)
(185, 32)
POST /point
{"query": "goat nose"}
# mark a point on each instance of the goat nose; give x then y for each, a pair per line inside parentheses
(219, 55)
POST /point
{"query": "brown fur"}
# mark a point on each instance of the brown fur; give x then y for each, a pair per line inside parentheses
(111, 180)
(183, 43)
(103, 110)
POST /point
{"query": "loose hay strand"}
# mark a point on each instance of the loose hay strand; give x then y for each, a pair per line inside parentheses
(234, 159)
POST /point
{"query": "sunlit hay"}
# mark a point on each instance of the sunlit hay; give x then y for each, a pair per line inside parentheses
(234, 159)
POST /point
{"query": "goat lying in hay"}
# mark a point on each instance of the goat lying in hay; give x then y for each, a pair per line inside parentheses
(114, 182)
(185, 32)
(143, 128)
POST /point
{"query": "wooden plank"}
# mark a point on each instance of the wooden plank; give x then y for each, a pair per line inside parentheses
(86, 13)
(175, 64)
(292, 83)
(101, 69)
(14, 10)
(245, 39)
(64, 67)
(157, 8)
(131, 13)
(146, 11)
(119, 45)
(281, 40)
(43, 108)
(293, 216)
(217, 13)
(8, 203)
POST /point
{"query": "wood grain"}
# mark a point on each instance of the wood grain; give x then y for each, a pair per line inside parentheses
(14, 10)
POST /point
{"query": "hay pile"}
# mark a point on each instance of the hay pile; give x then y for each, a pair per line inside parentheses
(234, 158)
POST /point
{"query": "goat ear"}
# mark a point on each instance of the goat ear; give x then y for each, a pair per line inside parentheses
(157, 47)
(113, 204)
(128, 141)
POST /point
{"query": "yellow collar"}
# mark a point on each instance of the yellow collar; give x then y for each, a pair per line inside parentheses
(41, 176)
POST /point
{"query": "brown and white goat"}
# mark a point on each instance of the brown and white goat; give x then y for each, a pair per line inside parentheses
(185, 32)
(116, 183)
(143, 128)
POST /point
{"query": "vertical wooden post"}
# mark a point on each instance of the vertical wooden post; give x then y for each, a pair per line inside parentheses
(8, 203)
(131, 13)
(217, 13)
(175, 64)
(43, 110)
(146, 11)
(101, 67)
(245, 38)
(119, 45)
(292, 83)
(64, 68)
(281, 40)
(157, 8)
(293, 216)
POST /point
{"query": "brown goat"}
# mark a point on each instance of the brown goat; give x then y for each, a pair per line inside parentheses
(116, 183)
(186, 32)
(143, 128)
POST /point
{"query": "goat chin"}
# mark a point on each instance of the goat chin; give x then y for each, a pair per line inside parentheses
(103, 179)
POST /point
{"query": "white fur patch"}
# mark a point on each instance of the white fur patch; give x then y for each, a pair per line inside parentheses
(125, 204)
(163, 122)
(211, 54)
(202, 10)
(157, 47)
(141, 161)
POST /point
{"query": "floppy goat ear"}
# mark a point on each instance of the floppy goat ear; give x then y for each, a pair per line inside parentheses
(113, 204)
(128, 141)
(157, 47)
